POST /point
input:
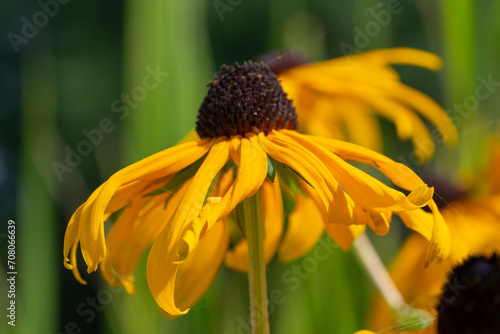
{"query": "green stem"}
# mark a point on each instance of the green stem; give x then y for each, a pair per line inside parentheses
(252, 216)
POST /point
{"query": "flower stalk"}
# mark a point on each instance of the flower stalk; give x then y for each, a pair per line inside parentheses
(411, 318)
(251, 216)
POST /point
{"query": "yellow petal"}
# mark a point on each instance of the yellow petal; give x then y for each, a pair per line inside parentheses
(404, 56)
(361, 187)
(72, 260)
(169, 161)
(133, 232)
(439, 247)
(401, 175)
(362, 127)
(474, 225)
(171, 250)
(252, 171)
(418, 221)
(339, 205)
(200, 268)
(430, 109)
(71, 237)
(303, 162)
(305, 227)
(379, 222)
(344, 235)
(181, 234)
(397, 113)
(126, 193)
(237, 258)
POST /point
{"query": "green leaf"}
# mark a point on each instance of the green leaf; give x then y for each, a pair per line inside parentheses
(290, 177)
(271, 169)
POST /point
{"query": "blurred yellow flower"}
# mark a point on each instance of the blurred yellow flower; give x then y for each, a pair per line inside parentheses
(180, 200)
(340, 97)
(474, 224)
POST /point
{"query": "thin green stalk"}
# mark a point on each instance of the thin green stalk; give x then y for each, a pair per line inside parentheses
(410, 318)
(251, 213)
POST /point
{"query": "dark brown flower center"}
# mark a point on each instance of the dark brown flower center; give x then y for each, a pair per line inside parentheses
(245, 98)
(282, 60)
(470, 301)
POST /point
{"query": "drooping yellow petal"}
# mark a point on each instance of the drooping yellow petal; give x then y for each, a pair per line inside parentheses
(252, 171)
(379, 222)
(305, 227)
(418, 221)
(344, 235)
(361, 187)
(200, 268)
(362, 127)
(135, 229)
(400, 174)
(439, 247)
(170, 250)
(319, 114)
(164, 163)
(429, 109)
(71, 237)
(72, 259)
(368, 79)
(303, 162)
(237, 258)
(126, 193)
(312, 169)
(395, 112)
(403, 56)
(474, 226)
(181, 234)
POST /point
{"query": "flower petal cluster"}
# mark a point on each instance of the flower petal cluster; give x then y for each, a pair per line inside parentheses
(474, 224)
(341, 98)
(181, 202)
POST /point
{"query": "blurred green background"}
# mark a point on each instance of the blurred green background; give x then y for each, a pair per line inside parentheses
(72, 68)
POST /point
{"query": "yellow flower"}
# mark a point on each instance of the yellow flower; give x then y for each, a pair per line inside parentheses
(340, 97)
(474, 225)
(181, 200)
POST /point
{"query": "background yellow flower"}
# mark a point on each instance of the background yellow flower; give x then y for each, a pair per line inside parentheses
(474, 223)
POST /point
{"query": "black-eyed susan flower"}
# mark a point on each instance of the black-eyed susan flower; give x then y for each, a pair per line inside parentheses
(188, 201)
(340, 97)
(469, 301)
(473, 219)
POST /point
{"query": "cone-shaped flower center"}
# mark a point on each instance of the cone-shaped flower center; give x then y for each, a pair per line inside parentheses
(245, 98)
(470, 302)
(280, 61)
